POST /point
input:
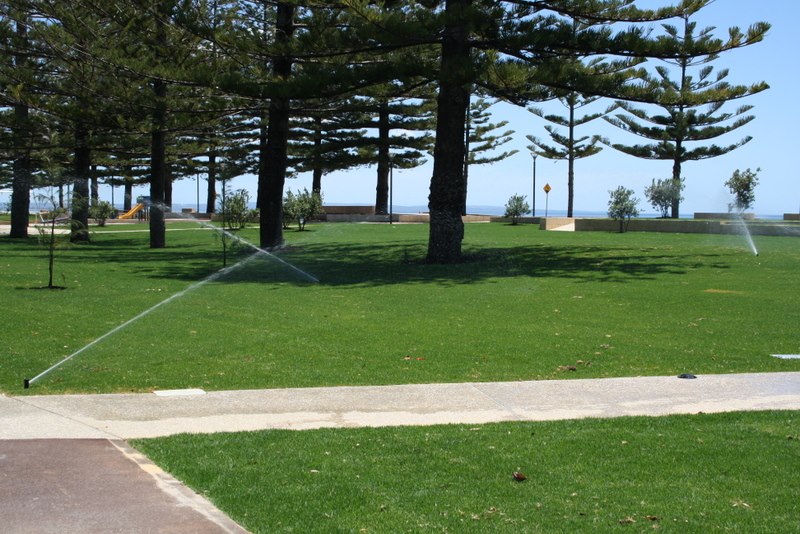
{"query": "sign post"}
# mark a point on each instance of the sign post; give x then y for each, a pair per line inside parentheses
(547, 190)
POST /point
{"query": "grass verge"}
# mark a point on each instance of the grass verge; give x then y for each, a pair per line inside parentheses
(702, 473)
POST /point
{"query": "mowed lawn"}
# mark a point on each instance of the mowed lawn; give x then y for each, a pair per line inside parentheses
(694, 473)
(526, 304)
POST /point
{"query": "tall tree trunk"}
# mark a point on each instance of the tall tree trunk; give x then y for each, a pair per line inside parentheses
(680, 135)
(571, 159)
(275, 151)
(676, 181)
(21, 185)
(168, 179)
(80, 189)
(382, 187)
(447, 183)
(127, 195)
(95, 186)
(467, 128)
(21, 136)
(158, 168)
(316, 175)
(211, 193)
(262, 157)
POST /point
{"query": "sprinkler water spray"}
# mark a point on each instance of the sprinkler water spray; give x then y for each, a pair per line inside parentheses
(257, 253)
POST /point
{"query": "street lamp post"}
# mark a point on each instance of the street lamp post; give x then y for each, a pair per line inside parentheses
(533, 197)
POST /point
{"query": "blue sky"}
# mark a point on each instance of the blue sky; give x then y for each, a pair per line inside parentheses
(773, 147)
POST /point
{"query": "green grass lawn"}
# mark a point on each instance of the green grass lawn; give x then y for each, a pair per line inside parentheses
(526, 305)
(702, 473)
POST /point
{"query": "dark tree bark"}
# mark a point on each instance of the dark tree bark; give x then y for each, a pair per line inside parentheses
(571, 162)
(262, 158)
(382, 188)
(168, 179)
(316, 173)
(275, 151)
(467, 127)
(80, 187)
(21, 185)
(211, 194)
(158, 168)
(95, 186)
(447, 183)
(21, 169)
(128, 195)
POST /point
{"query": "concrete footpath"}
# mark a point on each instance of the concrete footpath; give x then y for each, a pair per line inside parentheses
(65, 466)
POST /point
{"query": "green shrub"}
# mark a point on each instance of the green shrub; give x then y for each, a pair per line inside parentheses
(101, 212)
(622, 206)
(516, 207)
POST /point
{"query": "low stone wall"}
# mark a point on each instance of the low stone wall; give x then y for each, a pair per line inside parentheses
(349, 210)
(727, 216)
(397, 217)
(772, 229)
(649, 225)
(551, 223)
(356, 217)
(687, 226)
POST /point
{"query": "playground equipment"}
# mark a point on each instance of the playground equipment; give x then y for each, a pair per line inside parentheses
(136, 209)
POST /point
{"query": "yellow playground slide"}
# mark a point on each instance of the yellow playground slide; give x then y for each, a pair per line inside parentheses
(136, 209)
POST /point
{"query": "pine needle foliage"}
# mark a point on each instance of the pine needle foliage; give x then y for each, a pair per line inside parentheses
(691, 104)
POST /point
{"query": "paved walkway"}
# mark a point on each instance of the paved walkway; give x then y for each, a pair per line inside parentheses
(143, 415)
(65, 467)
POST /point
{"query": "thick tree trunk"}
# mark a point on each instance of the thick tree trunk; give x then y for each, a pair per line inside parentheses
(158, 168)
(80, 188)
(168, 189)
(21, 169)
(382, 187)
(95, 186)
(571, 161)
(21, 185)
(467, 128)
(275, 151)
(317, 171)
(271, 216)
(127, 196)
(447, 183)
(676, 182)
(262, 157)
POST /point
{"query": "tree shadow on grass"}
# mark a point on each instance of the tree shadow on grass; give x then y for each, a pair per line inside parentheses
(183, 261)
(365, 264)
(393, 263)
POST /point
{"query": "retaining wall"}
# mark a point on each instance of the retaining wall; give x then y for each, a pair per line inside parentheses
(686, 226)
(726, 216)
